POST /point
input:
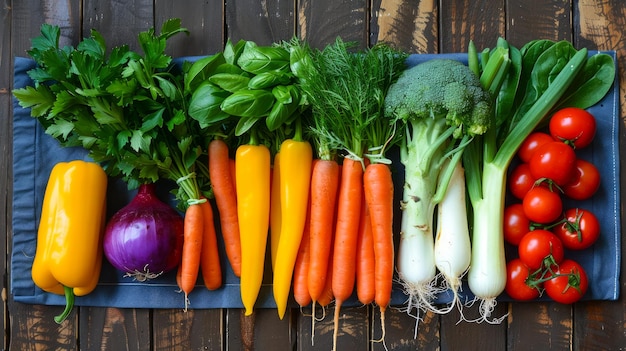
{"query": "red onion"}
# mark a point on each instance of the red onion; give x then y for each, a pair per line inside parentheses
(145, 238)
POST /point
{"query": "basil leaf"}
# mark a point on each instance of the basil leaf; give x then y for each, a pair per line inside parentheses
(200, 70)
(204, 105)
(230, 81)
(248, 103)
(257, 59)
(269, 79)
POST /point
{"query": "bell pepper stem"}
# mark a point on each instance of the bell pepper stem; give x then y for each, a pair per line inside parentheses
(69, 304)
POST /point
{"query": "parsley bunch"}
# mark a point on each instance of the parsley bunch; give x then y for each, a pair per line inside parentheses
(127, 109)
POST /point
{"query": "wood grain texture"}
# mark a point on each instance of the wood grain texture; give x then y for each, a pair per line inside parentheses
(550, 20)
(408, 25)
(190, 330)
(405, 332)
(262, 330)
(321, 22)
(263, 22)
(540, 326)
(464, 20)
(600, 25)
(6, 125)
(33, 328)
(114, 329)
(552, 325)
(205, 22)
(118, 21)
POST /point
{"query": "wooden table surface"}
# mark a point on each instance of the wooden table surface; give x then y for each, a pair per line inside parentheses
(419, 26)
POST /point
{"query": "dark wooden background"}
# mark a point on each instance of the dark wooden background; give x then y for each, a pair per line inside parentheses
(418, 26)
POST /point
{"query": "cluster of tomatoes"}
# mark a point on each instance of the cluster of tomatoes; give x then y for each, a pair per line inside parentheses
(538, 223)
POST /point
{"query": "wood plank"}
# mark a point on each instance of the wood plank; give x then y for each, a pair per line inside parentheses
(264, 22)
(401, 334)
(481, 22)
(29, 15)
(407, 25)
(33, 327)
(600, 25)
(353, 334)
(539, 326)
(464, 20)
(472, 335)
(6, 125)
(550, 20)
(321, 22)
(203, 19)
(118, 22)
(410, 26)
(190, 330)
(114, 329)
(262, 330)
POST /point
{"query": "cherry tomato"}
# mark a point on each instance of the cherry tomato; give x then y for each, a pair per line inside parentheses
(574, 126)
(585, 181)
(580, 230)
(516, 224)
(531, 143)
(542, 205)
(517, 279)
(554, 160)
(569, 283)
(521, 180)
(540, 248)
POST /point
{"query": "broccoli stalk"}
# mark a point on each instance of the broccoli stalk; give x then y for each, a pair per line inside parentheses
(442, 106)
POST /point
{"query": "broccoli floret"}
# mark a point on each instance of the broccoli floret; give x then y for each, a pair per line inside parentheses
(441, 88)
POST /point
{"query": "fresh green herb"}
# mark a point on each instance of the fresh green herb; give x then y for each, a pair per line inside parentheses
(346, 90)
(128, 110)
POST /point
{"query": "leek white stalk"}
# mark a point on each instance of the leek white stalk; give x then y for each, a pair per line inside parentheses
(452, 243)
(416, 261)
(487, 273)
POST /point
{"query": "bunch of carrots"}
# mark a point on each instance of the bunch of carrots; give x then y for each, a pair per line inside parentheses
(322, 197)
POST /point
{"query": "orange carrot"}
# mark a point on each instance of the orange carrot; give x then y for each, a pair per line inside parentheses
(209, 256)
(233, 171)
(378, 185)
(192, 246)
(365, 262)
(301, 269)
(324, 185)
(222, 182)
(346, 234)
(326, 296)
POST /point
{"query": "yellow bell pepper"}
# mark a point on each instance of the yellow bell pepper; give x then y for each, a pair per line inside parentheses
(68, 255)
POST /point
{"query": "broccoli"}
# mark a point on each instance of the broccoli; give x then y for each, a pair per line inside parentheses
(442, 106)
(441, 88)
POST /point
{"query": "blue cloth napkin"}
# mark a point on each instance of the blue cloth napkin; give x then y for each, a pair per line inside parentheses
(35, 153)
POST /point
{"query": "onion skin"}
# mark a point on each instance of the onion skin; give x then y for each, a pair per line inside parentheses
(144, 238)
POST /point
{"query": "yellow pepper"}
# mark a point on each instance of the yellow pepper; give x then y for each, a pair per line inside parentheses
(296, 158)
(252, 174)
(275, 213)
(68, 255)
